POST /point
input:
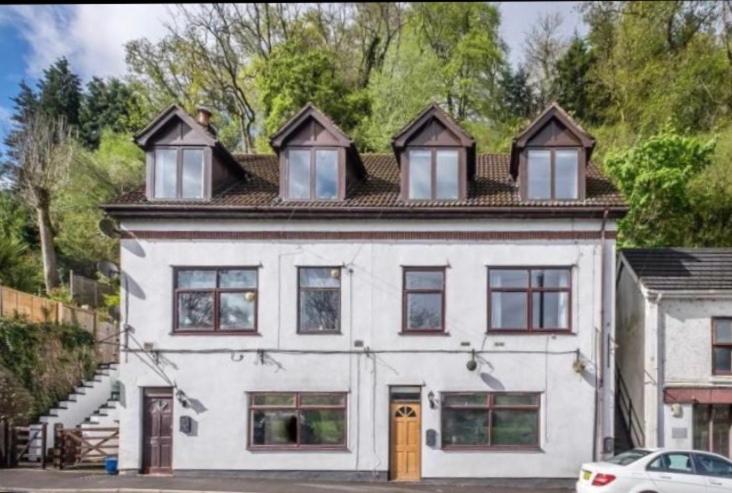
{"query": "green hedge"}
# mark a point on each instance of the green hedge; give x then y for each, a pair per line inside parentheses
(40, 364)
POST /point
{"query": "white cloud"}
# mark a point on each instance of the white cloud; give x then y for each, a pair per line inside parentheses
(92, 37)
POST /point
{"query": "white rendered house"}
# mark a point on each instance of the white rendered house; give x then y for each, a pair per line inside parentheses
(430, 313)
(674, 347)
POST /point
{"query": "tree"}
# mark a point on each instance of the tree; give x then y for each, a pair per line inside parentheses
(464, 38)
(59, 93)
(294, 75)
(654, 176)
(543, 48)
(45, 152)
(109, 104)
(517, 97)
(573, 84)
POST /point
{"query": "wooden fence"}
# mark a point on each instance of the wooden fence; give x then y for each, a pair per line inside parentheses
(84, 447)
(14, 303)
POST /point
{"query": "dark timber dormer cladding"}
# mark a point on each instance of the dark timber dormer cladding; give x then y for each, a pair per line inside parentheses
(306, 136)
(431, 134)
(552, 132)
(175, 139)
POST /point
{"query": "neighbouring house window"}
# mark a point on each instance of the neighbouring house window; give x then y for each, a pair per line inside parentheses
(312, 174)
(424, 299)
(297, 420)
(553, 174)
(216, 299)
(488, 420)
(722, 346)
(533, 299)
(433, 174)
(712, 423)
(178, 173)
(319, 299)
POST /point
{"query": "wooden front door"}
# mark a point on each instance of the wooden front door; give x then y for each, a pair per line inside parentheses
(157, 431)
(406, 426)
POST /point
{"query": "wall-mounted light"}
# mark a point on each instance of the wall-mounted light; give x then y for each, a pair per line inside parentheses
(432, 400)
(472, 364)
(578, 365)
(182, 398)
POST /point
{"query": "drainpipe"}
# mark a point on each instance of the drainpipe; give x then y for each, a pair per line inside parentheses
(600, 345)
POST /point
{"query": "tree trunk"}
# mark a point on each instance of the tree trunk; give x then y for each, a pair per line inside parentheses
(48, 250)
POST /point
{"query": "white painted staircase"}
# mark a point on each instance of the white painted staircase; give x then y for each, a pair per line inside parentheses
(92, 404)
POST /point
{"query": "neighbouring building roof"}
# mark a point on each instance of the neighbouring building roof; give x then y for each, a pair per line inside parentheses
(674, 269)
(493, 190)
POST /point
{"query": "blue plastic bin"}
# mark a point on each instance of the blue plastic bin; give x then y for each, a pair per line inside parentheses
(110, 465)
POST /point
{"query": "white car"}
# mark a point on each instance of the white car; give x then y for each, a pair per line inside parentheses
(658, 471)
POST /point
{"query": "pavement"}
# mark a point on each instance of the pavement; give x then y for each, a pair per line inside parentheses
(54, 481)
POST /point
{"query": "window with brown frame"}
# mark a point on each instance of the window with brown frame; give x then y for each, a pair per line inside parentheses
(313, 173)
(552, 174)
(423, 300)
(433, 174)
(490, 420)
(178, 173)
(297, 420)
(319, 300)
(722, 346)
(529, 299)
(215, 299)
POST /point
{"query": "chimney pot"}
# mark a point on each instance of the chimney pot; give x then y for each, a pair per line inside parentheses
(203, 116)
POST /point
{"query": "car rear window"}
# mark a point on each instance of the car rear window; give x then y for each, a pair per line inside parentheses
(628, 457)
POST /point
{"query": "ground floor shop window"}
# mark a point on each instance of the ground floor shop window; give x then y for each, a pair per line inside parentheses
(490, 420)
(712, 423)
(297, 420)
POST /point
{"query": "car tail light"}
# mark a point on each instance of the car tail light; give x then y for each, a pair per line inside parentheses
(602, 479)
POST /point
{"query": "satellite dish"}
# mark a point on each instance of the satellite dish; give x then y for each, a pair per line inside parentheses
(108, 269)
(109, 228)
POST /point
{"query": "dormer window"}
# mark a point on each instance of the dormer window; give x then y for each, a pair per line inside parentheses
(184, 159)
(434, 174)
(312, 174)
(553, 174)
(436, 157)
(549, 158)
(317, 160)
(179, 173)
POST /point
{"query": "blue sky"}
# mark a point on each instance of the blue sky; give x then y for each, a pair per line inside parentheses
(92, 37)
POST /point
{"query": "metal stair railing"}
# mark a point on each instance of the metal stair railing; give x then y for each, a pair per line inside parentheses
(627, 412)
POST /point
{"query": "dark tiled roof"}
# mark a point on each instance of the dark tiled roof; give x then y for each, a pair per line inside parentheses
(665, 269)
(493, 187)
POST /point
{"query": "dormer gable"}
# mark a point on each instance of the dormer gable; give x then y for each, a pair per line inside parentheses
(184, 158)
(436, 157)
(550, 156)
(317, 160)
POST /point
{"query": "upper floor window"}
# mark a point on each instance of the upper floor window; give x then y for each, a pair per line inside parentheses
(553, 174)
(312, 174)
(722, 346)
(529, 299)
(319, 299)
(216, 299)
(178, 173)
(433, 174)
(424, 299)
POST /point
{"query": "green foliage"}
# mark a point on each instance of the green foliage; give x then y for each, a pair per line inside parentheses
(574, 86)
(110, 105)
(654, 176)
(59, 92)
(40, 364)
(97, 177)
(294, 75)
(19, 264)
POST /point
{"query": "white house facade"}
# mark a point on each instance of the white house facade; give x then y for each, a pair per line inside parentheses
(434, 313)
(674, 346)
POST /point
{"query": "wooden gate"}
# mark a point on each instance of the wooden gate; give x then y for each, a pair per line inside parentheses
(28, 446)
(85, 447)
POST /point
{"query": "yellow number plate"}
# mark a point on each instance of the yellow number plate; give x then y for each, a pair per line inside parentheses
(586, 475)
